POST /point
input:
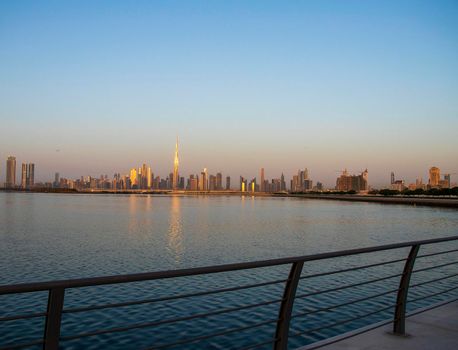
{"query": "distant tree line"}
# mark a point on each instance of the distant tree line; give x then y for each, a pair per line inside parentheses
(418, 192)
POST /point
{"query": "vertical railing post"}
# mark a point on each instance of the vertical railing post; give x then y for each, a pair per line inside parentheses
(53, 318)
(401, 300)
(286, 307)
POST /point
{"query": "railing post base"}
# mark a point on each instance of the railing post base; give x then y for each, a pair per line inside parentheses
(399, 323)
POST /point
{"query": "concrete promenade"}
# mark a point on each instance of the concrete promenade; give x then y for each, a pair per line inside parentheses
(433, 329)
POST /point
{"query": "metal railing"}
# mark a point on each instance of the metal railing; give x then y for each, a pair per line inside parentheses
(56, 290)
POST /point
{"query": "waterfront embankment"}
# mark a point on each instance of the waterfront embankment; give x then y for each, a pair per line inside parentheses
(407, 200)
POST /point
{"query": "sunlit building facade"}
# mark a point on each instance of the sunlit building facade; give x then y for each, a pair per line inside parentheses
(358, 183)
(133, 178)
(176, 164)
(434, 176)
(27, 175)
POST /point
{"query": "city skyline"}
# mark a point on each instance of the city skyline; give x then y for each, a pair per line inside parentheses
(268, 84)
(327, 176)
(144, 177)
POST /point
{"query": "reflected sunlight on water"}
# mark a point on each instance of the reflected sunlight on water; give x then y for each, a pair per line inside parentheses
(175, 232)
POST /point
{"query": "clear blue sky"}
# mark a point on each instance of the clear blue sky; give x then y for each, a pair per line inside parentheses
(245, 84)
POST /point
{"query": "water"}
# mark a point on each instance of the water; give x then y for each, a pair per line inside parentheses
(56, 236)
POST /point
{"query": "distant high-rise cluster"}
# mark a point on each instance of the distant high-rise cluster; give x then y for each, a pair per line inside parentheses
(274, 185)
(27, 174)
(434, 181)
(301, 181)
(396, 185)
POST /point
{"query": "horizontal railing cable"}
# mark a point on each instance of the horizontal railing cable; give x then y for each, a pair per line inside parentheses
(347, 286)
(167, 321)
(343, 304)
(437, 253)
(432, 295)
(352, 269)
(208, 336)
(22, 317)
(434, 280)
(21, 346)
(168, 298)
(257, 345)
(430, 307)
(435, 267)
(331, 325)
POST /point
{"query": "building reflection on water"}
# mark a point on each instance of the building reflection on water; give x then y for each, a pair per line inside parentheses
(140, 215)
(175, 233)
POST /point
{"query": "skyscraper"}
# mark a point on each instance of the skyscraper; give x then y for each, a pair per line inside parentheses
(262, 184)
(149, 182)
(24, 176)
(203, 180)
(133, 178)
(212, 183)
(175, 168)
(434, 176)
(446, 181)
(282, 182)
(27, 175)
(30, 182)
(56, 182)
(228, 182)
(243, 184)
(10, 172)
(144, 177)
(219, 181)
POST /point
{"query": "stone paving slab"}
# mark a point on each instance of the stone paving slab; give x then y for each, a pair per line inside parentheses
(434, 329)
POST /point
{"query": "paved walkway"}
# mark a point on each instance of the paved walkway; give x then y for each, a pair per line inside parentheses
(433, 329)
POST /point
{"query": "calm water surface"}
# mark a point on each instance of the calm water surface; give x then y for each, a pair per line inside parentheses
(54, 236)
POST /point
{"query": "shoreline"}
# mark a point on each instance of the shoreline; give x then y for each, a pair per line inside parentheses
(446, 202)
(405, 200)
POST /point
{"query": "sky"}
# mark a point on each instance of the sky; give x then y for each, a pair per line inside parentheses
(98, 87)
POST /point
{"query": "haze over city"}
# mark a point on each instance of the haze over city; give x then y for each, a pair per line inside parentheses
(98, 88)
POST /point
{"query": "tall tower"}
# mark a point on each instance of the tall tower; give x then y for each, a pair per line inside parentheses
(262, 180)
(30, 175)
(10, 172)
(434, 176)
(133, 177)
(24, 176)
(176, 163)
(392, 177)
(149, 180)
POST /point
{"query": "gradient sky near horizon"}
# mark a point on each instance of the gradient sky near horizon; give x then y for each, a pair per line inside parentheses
(98, 87)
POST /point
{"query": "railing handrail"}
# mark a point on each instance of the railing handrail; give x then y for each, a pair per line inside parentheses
(138, 277)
